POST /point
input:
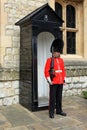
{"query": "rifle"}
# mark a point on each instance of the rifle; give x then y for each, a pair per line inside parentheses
(51, 71)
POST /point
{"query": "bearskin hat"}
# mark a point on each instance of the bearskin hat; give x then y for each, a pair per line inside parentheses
(57, 46)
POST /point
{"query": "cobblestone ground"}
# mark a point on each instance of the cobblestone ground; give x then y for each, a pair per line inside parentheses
(16, 117)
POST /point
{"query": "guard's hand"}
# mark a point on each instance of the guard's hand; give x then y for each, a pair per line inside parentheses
(49, 81)
(64, 84)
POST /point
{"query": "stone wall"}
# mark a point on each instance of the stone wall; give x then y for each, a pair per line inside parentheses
(75, 85)
(12, 11)
(76, 80)
(9, 91)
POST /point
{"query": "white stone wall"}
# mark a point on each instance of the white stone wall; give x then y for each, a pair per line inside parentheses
(9, 92)
(75, 85)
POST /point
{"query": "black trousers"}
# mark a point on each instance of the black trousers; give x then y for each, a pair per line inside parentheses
(55, 98)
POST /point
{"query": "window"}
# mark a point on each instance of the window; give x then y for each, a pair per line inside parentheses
(68, 14)
(70, 36)
(71, 46)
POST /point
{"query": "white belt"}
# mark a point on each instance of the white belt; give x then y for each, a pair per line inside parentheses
(58, 71)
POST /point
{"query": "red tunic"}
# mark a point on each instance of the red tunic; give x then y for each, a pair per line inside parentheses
(59, 68)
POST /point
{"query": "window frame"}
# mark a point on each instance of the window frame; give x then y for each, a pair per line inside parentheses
(64, 29)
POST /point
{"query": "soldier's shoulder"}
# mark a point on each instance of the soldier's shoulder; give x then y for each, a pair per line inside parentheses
(49, 59)
(61, 59)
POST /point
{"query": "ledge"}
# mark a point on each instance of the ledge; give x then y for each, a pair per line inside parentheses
(77, 0)
(75, 63)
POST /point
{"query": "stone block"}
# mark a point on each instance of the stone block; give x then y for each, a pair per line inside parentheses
(66, 87)
(1, 85)
(7, 84)
(10, 92)
(84, 85)
(79, 91)
(68, 80)
(7, 101)
(16, 91)
(8, 51)
(1, 103)
(82, 79)
(75, 79)
(71, 86)
(77, 86)
(74, 92)
(68, 93)
(2, 92)
(15, 99)
(15, 84)
(15, 51)
(8, 58)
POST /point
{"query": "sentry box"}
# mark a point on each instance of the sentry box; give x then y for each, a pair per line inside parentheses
(37, 31)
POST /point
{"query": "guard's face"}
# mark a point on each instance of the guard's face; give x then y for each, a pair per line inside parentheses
(56, 54)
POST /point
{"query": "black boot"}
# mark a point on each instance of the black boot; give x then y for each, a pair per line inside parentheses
(61, 113)
(51, 115)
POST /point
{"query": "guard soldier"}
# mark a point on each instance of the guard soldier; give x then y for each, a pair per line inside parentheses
(55, 74)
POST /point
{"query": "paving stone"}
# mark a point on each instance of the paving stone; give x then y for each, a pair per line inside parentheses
(1, 129)
(42, 115)
(51, 124)
(4, 123)
(67, 122)
(16, 117)
(75, 128)
(17, 128)
(38, 127)
(82, 117)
